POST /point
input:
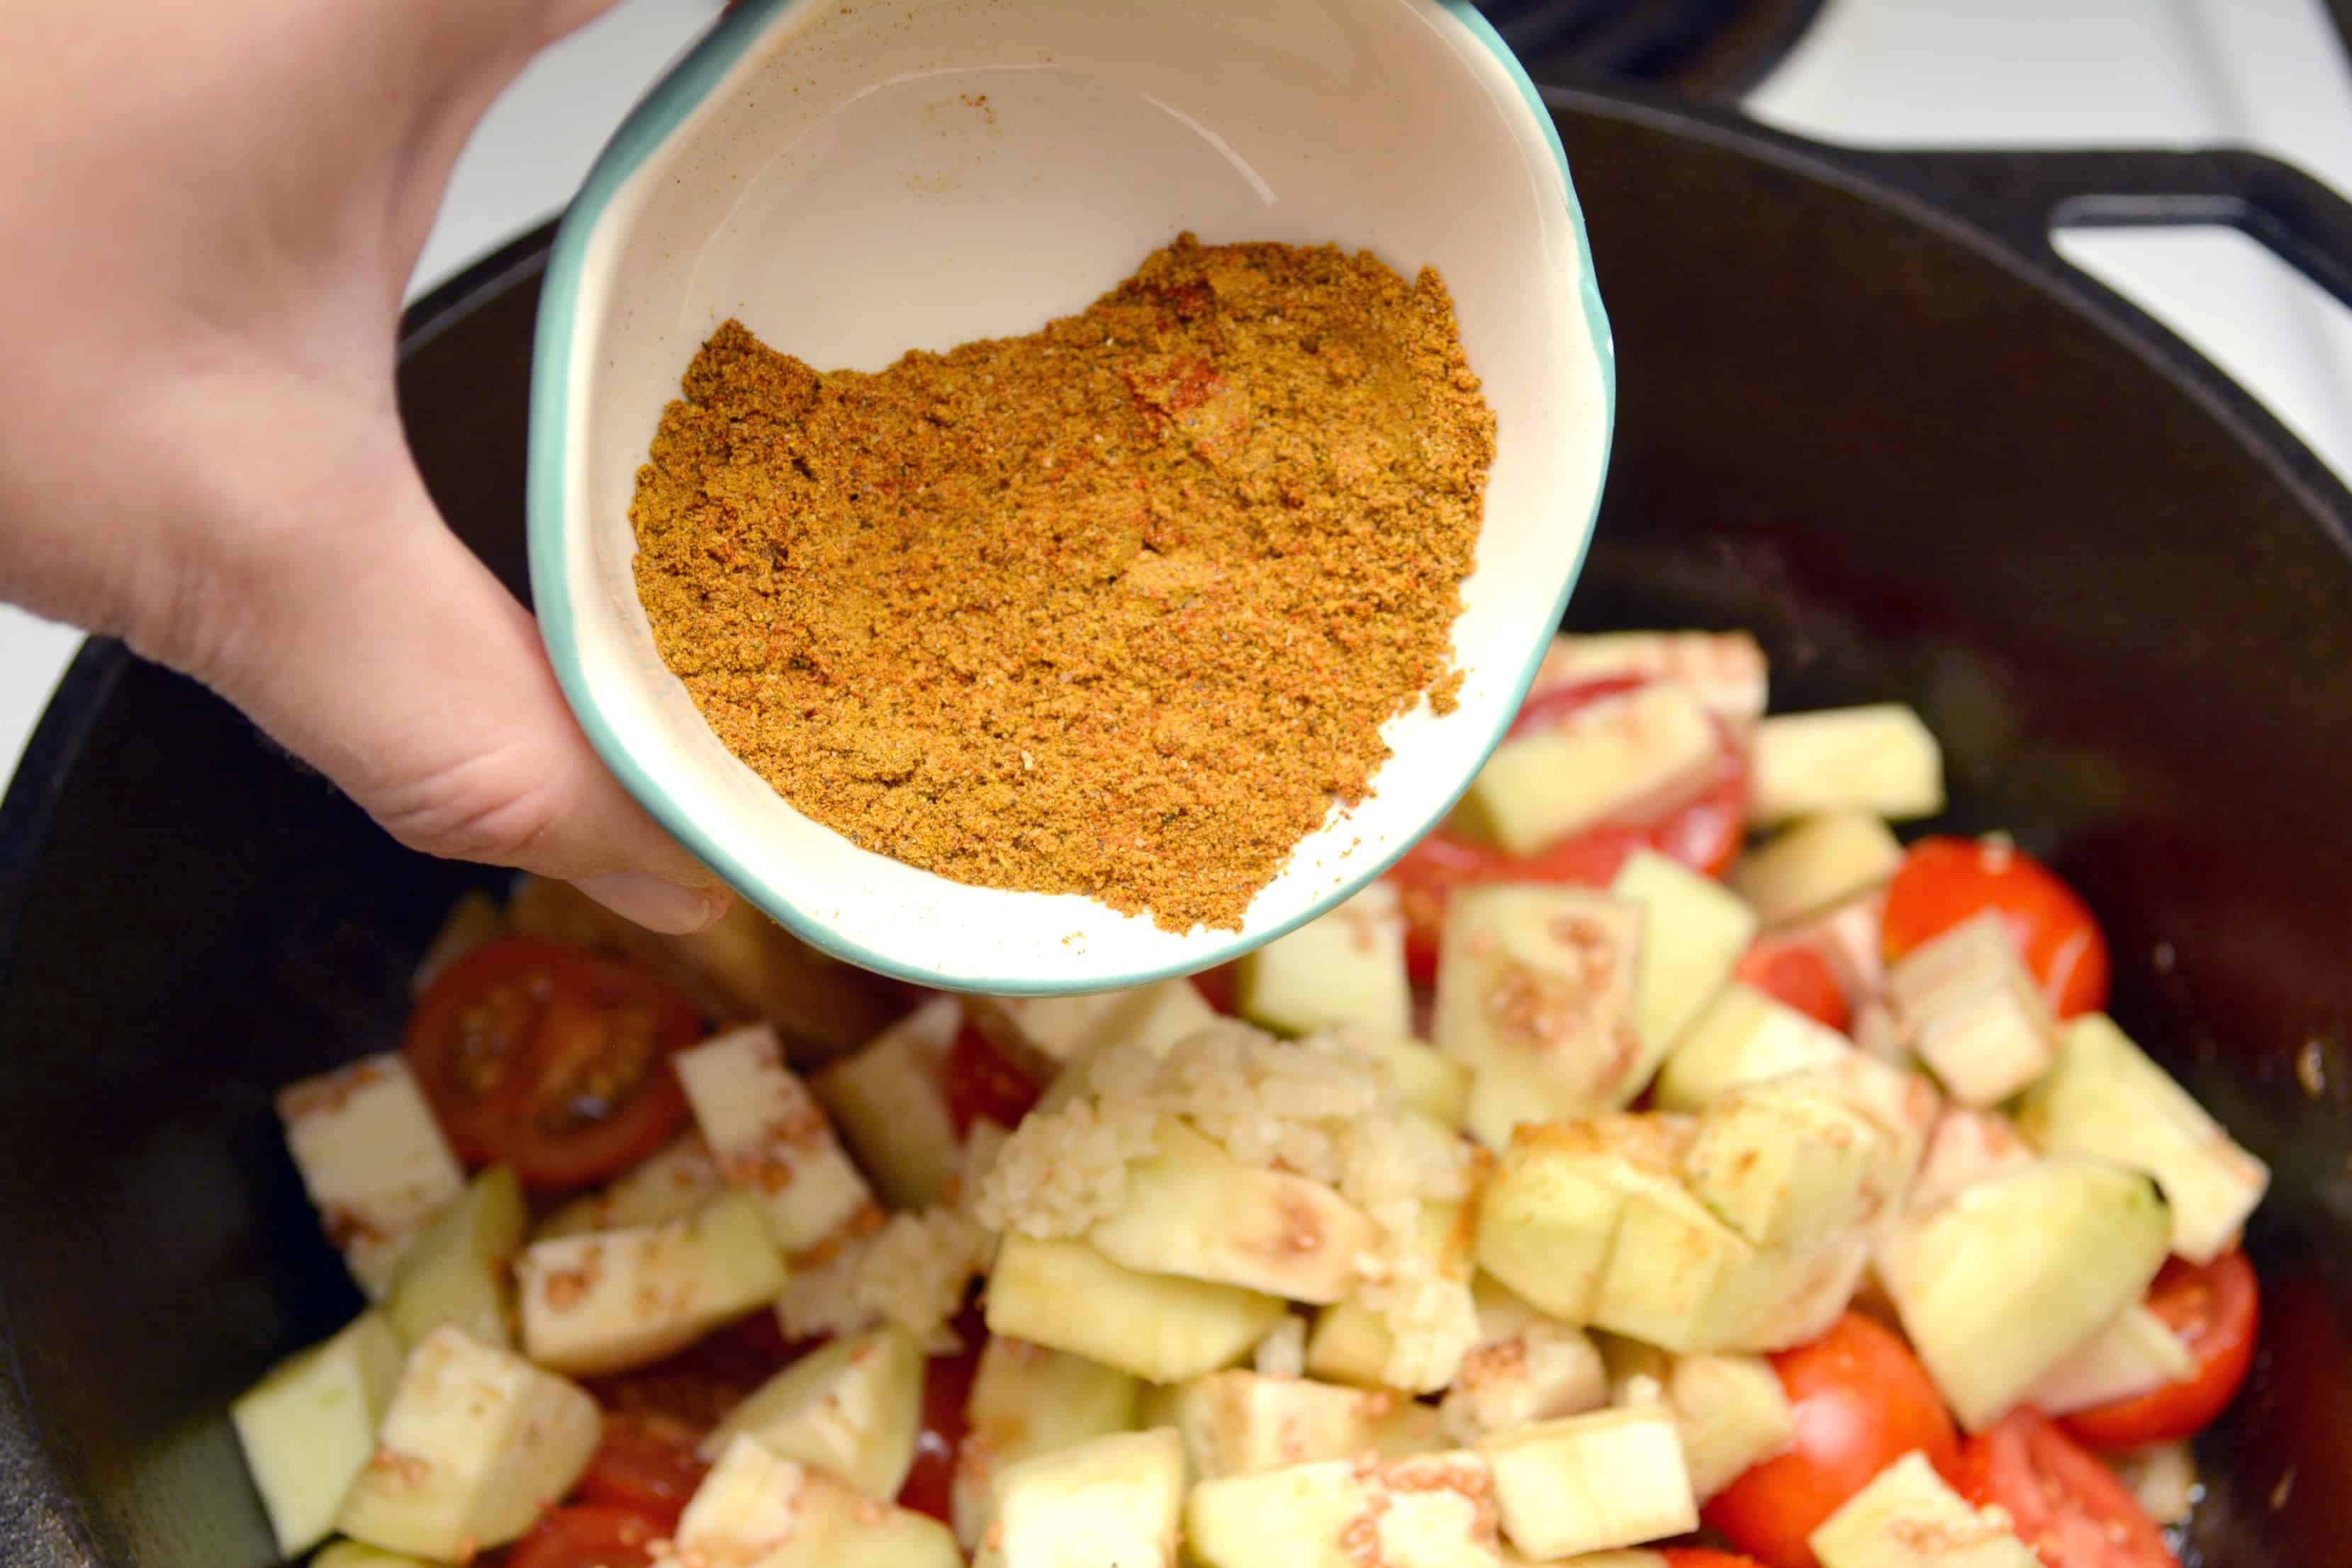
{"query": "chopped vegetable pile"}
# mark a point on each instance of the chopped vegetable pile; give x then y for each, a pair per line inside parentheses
(1599, 1187)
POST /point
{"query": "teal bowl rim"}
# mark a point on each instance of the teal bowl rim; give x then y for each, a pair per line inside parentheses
(650, 124)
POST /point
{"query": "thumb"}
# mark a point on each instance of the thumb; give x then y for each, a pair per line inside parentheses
(397, 665)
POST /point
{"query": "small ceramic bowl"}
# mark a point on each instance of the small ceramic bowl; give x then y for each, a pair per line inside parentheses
(857, 180)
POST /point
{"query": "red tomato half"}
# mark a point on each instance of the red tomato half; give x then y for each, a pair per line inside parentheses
(1945, 881)
(981, 1084)
(645, 1463)
(1795, 972)
(2062, 1502)
(2217, 1309)
(550, 1059)
(1861, 1402)
(589, 1538)
(1702, 1557)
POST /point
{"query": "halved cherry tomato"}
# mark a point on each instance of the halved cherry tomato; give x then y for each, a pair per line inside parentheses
(947, 1390)
(1704, 1557)
(1861, 1402)
(1795, 972)
(981, 1083)
(1944, 881)
(645, 1462)
(550, 1059)
(2217, 1310)
(594, 1537)
(2062, 1502)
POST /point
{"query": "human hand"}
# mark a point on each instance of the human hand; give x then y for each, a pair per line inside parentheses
(208, 216)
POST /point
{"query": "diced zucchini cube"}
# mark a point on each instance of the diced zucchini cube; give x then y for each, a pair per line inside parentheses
(889, 1102)
(1547, 1219)
(456, 1272)
(1815, 863)
(1238, 1423)
(1193, 1210)
(1157, 1327)
(670, 1183)
(308, 1428)
(614, 1300)
(1972, 1011)
(2000, 1284)
(772, 1139)
(1027, 1400)
(1743, 1037)
(1879, 758)
(1114, 1500)
(1525, 1368)
(1731, 1410)
(1674, 1270)
(2136, 1352)
(1430, 1511)
(372, 1158)
(1693, 932)
(1793, 1296)
(2107, 1098)
(851, 1408)
(1907, 1518)
(1535, 996)
(1616, 756)
(1681, 1278)
(1734, 1414)
(1343, 967)
(1788, 1162)
(475, 1442)
(1905, 1106)
(1589, 1483)
(1725, 671)
(757, 1509)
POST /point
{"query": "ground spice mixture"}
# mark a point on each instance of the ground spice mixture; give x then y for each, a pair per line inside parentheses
(1115, 609)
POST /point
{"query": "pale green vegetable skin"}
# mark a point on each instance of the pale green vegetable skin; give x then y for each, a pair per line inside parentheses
(456, 1272)
(308, 1428)
(1996, 1286)
(2106, 1097)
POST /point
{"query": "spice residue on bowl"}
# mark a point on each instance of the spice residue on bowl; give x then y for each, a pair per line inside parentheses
(1116, 609)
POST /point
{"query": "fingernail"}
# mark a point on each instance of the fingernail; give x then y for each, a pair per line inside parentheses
(655, 903)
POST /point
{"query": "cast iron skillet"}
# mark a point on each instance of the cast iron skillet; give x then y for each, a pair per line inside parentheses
(1866, 411)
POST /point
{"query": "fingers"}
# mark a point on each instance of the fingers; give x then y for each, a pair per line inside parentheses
(391, 659)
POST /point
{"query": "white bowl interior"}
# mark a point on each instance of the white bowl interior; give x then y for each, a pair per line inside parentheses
(867, 179)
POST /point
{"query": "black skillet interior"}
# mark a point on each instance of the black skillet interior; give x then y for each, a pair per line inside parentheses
(1920, 468)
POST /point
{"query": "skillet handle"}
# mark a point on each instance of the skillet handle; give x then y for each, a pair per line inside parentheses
(2022, 196)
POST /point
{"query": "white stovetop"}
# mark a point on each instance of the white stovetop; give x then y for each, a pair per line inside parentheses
(2268, 73)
